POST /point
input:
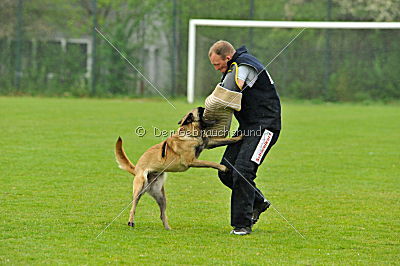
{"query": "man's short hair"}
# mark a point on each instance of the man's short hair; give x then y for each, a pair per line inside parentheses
(221, 48)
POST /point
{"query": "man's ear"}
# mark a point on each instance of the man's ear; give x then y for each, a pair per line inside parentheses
(187, 119)
(228, 57)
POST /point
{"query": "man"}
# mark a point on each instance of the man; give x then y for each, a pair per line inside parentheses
(259, 118)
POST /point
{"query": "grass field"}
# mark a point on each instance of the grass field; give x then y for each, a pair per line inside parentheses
(334, 174)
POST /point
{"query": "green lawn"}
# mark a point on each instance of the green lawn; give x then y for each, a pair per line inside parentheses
(334, 174)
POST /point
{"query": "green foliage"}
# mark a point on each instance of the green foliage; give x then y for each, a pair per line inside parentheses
(339, 65)
(370, 10)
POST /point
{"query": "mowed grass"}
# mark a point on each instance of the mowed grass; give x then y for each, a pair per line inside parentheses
(334, 175)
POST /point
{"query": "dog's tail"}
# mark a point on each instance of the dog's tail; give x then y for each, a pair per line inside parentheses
(122, 159)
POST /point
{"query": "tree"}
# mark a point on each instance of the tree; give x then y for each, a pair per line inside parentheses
(371, 10)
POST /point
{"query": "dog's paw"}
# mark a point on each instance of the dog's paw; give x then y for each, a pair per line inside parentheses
(239, 137)
(224, 169)
(131, 224)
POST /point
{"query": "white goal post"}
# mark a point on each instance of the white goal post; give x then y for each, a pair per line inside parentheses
(193, 23)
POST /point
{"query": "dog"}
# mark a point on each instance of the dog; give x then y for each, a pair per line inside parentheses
(177, 153)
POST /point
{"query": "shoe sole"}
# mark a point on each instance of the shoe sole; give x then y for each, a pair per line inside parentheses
(239, 233)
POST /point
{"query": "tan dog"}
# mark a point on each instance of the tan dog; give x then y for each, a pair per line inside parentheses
(176, 154)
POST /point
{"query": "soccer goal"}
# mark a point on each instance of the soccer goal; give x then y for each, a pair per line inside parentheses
(352, 59)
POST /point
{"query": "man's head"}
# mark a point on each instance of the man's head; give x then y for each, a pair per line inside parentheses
(220, 53)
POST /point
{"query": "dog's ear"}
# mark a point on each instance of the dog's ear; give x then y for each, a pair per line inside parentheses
(180, 121)
(186, 120)
(201, 111)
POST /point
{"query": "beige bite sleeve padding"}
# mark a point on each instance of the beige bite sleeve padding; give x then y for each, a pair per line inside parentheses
(220, 105)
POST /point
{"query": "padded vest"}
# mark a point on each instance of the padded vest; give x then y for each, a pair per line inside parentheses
(260, 104)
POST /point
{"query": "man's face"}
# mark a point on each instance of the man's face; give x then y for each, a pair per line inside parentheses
(219, 63)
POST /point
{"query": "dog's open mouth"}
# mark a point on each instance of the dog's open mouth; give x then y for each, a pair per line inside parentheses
(204, 123)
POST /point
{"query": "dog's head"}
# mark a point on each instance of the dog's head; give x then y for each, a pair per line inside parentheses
(194, 115)
(193, 122)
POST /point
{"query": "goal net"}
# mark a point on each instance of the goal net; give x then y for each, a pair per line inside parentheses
(335, 61)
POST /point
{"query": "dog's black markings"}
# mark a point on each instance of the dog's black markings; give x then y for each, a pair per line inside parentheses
(189, 119)
(199, 149)
(164, 149)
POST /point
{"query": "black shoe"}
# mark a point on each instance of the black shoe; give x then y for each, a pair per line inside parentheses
(241, 231)
(258, 209)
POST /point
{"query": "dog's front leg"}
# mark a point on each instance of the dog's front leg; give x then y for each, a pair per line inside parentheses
(201, 163)
(217, 142)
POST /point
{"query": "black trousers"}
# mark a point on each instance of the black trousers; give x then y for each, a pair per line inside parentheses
(243, 170)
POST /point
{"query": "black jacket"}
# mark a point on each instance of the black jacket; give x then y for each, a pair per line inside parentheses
(260, 104)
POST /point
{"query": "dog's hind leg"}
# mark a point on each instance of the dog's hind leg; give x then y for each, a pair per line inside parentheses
(158, 193)
(138, 189)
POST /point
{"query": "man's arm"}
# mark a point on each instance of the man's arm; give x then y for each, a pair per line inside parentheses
(246, 74)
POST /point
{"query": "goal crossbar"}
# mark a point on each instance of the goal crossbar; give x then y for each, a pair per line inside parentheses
(193, 23)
